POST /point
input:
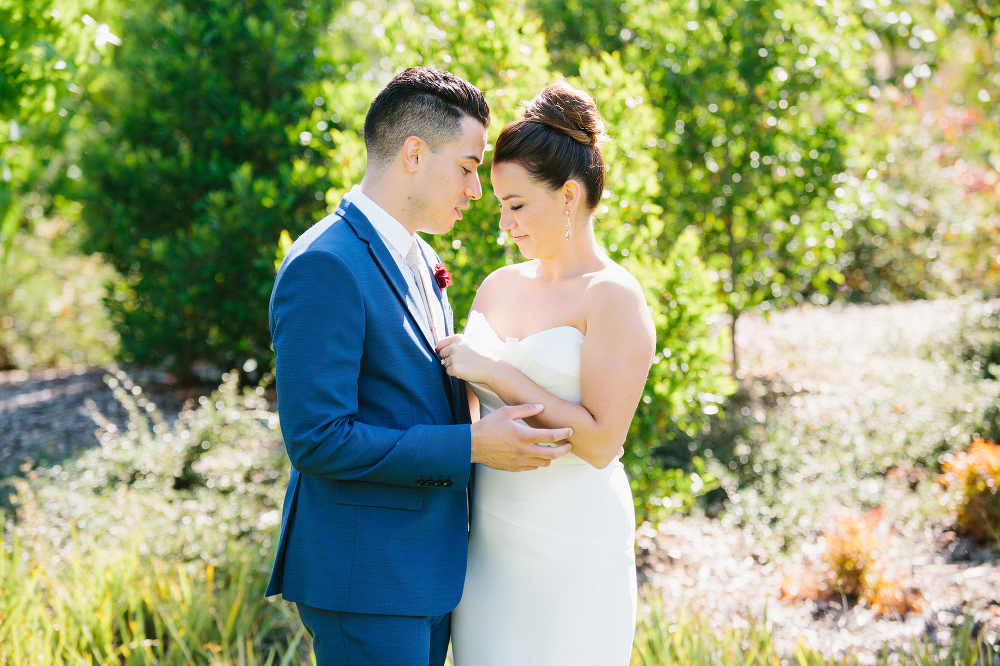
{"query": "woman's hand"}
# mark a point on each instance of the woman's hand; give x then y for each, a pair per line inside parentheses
(461, 360)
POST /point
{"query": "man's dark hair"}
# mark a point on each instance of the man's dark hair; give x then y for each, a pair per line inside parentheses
(422, 102)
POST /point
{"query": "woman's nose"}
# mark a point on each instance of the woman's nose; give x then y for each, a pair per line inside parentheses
(506, 224)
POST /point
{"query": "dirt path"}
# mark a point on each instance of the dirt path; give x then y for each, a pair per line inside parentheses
(44, 418)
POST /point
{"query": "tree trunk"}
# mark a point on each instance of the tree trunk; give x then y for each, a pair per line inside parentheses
(734, 315)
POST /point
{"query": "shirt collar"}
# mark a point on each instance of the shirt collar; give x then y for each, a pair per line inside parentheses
(391, 231)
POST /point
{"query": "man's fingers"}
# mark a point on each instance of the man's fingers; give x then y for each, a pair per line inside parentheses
(543, 436)
(523, 412)
(553, 452)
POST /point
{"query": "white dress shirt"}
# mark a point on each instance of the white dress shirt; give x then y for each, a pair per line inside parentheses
(398, 241)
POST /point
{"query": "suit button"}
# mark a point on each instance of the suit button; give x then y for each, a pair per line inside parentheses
(421, 483)
(447, 484)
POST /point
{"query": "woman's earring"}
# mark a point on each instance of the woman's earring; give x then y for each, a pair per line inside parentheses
(569, 230)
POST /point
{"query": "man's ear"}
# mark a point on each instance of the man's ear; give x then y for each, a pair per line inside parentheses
(413, 150)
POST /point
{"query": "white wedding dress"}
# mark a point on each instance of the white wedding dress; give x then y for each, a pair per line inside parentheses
(551, 578)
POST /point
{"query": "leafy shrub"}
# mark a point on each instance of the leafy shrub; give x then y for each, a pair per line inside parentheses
(854, 567)
(51, 310)
(156, 545)
(46, 47)
(979, 340)
(929, 225)
(783, 450)
(687, 383)
(974, 478)
(212, 478)
(193, 164)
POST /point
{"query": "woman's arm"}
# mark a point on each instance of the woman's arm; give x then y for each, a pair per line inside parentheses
(617, 352)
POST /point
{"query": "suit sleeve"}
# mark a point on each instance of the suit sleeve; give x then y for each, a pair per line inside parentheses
(318, 330)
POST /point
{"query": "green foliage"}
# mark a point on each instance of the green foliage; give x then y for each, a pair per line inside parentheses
(124, 607)
(43, 48)
(51, 310)
(782, 451)
(930, 225)
(758, 99)
(214, 477)
(687, 383)
(155, 546)
(193, 166)
(577, 29)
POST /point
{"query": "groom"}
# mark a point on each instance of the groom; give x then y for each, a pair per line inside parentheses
(374, 527)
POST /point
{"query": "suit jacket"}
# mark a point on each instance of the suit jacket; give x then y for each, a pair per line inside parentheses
(375, 517)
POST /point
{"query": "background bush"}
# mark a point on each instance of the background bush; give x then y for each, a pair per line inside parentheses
(51, 301)
(192, 168)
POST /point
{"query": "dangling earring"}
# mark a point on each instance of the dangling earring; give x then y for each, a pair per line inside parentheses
(569, 230)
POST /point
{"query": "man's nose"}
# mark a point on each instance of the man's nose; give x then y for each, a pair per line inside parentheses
(475, 189)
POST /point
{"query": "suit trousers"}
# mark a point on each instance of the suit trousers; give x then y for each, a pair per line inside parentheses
(352, 639)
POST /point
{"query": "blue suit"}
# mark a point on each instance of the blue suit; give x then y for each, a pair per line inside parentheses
(375, 518)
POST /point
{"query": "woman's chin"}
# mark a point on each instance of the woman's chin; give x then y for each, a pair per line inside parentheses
(525, 248)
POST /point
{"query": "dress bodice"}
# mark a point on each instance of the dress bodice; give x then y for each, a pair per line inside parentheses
(550, 358)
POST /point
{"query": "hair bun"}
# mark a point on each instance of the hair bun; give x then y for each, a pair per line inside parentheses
(568, 110)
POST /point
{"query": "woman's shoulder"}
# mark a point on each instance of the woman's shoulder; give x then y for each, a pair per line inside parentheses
(498, 282)
(614, 282)
(505, 275)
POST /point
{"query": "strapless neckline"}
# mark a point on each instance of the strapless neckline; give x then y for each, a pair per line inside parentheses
(527, 337)
(550, 357)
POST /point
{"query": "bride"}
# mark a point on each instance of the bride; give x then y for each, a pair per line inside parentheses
(551, 573)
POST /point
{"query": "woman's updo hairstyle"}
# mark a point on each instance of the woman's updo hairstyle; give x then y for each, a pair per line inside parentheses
(558, 139)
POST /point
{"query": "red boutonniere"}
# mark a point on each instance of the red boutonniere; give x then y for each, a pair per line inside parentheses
(442, 276)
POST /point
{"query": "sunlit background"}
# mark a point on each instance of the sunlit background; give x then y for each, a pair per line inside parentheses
(771, 159)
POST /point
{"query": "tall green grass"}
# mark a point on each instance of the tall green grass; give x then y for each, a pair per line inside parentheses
(129, 609)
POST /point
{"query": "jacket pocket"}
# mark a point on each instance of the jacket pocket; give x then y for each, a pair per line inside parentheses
(375, 494)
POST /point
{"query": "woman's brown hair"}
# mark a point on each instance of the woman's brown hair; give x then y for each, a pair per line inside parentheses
(558, 139)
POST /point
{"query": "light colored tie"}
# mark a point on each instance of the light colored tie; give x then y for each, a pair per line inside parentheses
(415, 260)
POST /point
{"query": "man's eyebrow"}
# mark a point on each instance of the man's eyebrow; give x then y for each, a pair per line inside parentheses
(473, 158)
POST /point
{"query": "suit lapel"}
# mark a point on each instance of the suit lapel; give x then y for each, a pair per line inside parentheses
(366, 232)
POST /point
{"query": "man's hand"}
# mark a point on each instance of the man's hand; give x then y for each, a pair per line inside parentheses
(500, 442)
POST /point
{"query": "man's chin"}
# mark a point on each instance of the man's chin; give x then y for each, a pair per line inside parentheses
(436, 229)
